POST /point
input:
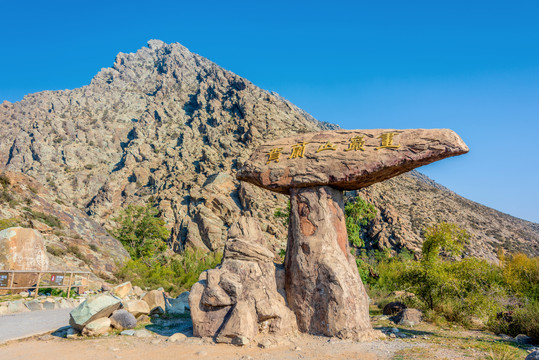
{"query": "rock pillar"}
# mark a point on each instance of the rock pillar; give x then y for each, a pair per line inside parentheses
(323, 286)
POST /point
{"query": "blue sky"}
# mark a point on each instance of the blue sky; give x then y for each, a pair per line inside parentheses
(469, 66)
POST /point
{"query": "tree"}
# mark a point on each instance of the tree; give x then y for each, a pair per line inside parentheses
(141, 231)
(443, 236)
(432, 279)
(358, 213)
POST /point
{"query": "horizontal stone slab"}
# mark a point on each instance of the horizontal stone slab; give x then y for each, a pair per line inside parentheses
(346, 159)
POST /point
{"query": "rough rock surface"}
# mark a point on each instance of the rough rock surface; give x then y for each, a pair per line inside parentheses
(346, 159)
(97, 327)
(137, 307)
(174, 307)
(323, 286)
(95, 307)
(162, 122)
(122, 290)
(393, 308)
(122, 320)
(73, 241)
(410, 202)
(23, 249)
(244, 295)
(169, 124)
(408, 317)
(154, 299)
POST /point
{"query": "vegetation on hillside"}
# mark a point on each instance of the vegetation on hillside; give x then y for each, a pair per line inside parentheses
(450, 288)
(143, 234)
(358, 213)
(467, 291)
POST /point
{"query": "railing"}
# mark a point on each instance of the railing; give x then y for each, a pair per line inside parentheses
(56, 280)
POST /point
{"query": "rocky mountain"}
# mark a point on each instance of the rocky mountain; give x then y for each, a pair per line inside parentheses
(171, 127)
(73, 240)
(408, 203)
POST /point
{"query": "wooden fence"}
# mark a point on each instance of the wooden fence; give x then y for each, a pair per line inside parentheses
(56, 280)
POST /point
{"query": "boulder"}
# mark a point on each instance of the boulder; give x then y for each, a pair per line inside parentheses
(184, 296)
(174, 307)
(16, 306)
(23, 249)
(122, 320)
(155, 298)
(408, 317)
(523, 339)
(97, 327)
(122, 290)
(157, 311)
(137, 291)
(34, 305)
(50, 304)
(63, 304)
(136, 307)
(393, 308)
(533, 355)
(244, 295)
(346, 159)
(177, 337)
(95, 307)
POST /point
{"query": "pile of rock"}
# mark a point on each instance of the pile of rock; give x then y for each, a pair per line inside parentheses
(245, 295)
(122, 308)
(42, 302)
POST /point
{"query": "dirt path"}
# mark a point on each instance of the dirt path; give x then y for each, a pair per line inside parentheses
(425, 342)
(126, 347)
(17, 326)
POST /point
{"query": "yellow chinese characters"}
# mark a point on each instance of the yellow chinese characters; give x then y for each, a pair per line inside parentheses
(274, 155)
(327, 146)
(387, 141)
(356, 143)
(298, 150)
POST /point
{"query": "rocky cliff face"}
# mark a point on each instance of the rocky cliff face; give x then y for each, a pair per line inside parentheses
(408, 203)
(166, 125)
(73, 240)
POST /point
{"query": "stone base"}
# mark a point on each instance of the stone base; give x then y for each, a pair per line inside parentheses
(323, 286)
(244, 296)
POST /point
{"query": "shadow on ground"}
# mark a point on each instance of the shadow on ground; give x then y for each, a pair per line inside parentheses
(171, 326)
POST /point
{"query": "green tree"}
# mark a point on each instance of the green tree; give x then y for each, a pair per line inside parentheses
(141, 231)
(432, 279)
(358, 213)
(443, 236)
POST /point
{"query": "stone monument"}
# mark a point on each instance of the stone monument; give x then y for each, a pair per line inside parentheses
(322, 282)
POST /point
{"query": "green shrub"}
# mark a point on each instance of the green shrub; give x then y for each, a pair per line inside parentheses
(56, 251)
(521, 320)
(75, 250)
(48, 219)
(358, 214)
(7, 223)
(521, 274)
(175, 274)
(284, 215)
(4, 181)
(141, 231)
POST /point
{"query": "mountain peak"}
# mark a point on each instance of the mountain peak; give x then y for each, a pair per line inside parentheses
(168, 126)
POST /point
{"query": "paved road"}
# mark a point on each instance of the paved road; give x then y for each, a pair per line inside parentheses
(18, 326)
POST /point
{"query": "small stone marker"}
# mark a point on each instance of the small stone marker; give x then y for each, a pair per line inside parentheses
(322, 282)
